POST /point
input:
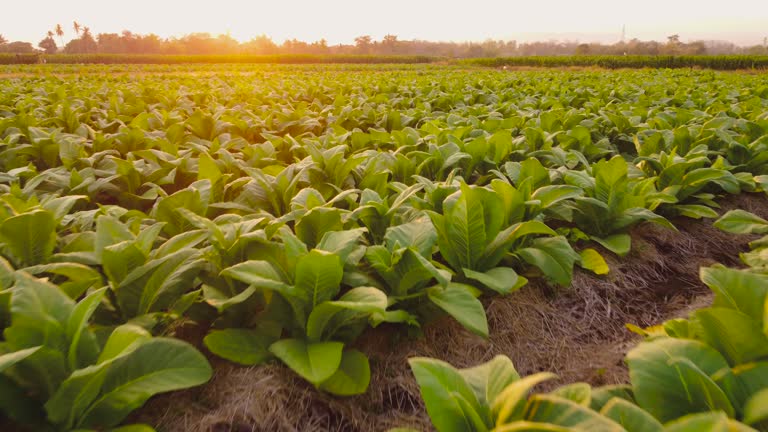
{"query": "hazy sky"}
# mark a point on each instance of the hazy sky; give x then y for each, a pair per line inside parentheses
(340, 21)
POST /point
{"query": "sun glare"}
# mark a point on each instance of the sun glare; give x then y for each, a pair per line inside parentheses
(340, 21)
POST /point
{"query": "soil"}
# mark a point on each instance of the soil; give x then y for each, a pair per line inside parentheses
(578, 333)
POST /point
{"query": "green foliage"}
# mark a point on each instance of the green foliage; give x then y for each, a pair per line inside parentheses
(56, 375)
(726, 62)
(289, 209)
(704, 373)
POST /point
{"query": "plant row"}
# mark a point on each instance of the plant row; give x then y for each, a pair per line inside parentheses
(706, 372)
(717, 62)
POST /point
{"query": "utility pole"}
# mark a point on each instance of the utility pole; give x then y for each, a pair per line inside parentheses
(623, 32)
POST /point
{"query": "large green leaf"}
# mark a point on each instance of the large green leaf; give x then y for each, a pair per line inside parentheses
(207, 168)
(165, 210)
(550, 195)
(244, 346)
(630, 416)
(553, 256)
(579, 393)
(315, 362)
(741, 290)
(257, 273)
(671, 378)
(451, 402)
(619, 244)
(119, 259)
(696, 211)
(419, 235)
(158, 365)
(498, 248)
(81, 277)
(318, 275)
(312, 226)
(756, 410)
(341, 243)
(220, 300)
(157, 284)
(742, 382)
(30, 237)
(711, 421)
(110, 231)
(510, 404)
(75, 395)
(83, 349)
(489, 379)
(10, 359)
(738, 338)
(172, 278)
(503, 280)
(742, 222)
(472, 216)
(39, 313)
(563, 412)
(600, 396)
(404, 270)
(352, 376)
(356, 303)
(124, 338)
(460, 303)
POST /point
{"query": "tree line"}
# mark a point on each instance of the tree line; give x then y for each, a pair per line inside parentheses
(85, 42)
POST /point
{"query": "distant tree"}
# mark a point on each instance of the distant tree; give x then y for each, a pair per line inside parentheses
(204, 43)
(18, 48)
(319, 47)
(491, 48)
(150, 43)
(363, 44)
(673, 44)
(294, 46)
(756, 50)
(260, 45)
(60, 33)
(389, 43)
(3, 40)
(226, 44)
(582, 49)
(695, 48)
(474, 50)
(84, 44)
(48, 45)
(111, 43)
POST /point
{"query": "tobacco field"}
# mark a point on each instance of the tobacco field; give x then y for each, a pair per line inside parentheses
(288, 212)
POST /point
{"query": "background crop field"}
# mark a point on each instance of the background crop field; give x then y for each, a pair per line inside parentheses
(163, 226)
(717, 62)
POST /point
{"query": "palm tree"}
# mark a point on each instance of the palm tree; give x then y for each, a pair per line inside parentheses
(60, 33)
(76, 26)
